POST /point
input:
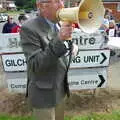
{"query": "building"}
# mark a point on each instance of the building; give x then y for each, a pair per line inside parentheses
(114, 5)
(7, 5)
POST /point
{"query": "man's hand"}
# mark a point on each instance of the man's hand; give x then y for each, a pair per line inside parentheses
(65, 31)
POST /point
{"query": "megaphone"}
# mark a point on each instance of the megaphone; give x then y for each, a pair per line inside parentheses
(89, 15)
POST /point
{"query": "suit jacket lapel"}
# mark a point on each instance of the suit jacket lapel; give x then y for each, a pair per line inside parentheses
(48, 30)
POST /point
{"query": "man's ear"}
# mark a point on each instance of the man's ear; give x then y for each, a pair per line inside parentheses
(37, 4)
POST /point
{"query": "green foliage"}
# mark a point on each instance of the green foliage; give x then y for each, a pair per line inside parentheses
(7, 117)
(109, 116)
(25, 4)
(115, 115)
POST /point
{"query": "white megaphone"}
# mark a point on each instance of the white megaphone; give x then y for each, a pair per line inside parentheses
(89, 15)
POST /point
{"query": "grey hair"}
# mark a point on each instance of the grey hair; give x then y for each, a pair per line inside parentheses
(40, 1)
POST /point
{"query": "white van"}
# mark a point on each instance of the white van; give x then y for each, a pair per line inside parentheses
(3, 17)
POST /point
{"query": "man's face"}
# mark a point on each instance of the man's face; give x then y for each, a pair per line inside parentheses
(51, 7)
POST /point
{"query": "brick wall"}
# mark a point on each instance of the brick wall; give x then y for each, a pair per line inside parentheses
(113, 7)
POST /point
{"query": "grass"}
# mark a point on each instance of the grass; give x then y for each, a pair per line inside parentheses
(115, 115)
(7, 117)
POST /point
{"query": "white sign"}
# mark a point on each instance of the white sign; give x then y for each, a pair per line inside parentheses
(111, 32)
(88, 41)
(16, 81)
(17, 85)
(10, 43)
(14, 62)
(114, 43)
(78, 79)
(87, 78)
(93, 58)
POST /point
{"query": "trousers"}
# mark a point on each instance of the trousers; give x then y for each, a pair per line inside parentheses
(54, 113)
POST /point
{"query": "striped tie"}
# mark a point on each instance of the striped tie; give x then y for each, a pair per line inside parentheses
(55, 28)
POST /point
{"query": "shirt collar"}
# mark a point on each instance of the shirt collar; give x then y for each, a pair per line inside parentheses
(49, 22)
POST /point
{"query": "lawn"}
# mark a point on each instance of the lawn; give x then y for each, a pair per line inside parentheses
(115, 115)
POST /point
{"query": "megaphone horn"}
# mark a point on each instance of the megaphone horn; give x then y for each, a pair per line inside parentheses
(89, 15)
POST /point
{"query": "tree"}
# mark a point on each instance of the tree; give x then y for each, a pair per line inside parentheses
(25, 3)
(20, 3)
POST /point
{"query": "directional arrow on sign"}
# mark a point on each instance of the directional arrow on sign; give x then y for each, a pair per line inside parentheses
(102, 80)
(87, 78)
(91, 58)
(104, 58)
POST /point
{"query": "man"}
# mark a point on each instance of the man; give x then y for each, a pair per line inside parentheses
(105, 23)
(8, 26)
(22, 19)
(45, 52)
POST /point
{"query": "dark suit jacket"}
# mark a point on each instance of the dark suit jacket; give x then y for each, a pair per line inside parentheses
(46, 63)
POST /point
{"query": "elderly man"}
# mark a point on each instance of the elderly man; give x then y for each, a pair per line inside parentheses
(45, 52)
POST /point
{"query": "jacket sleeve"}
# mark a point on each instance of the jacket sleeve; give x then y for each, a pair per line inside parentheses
(4, 30)
(39, 59)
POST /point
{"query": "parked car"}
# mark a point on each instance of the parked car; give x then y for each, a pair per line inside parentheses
(3, 17)
(27, 11)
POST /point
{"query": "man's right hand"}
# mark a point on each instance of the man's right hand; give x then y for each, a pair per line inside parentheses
(65, 31)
